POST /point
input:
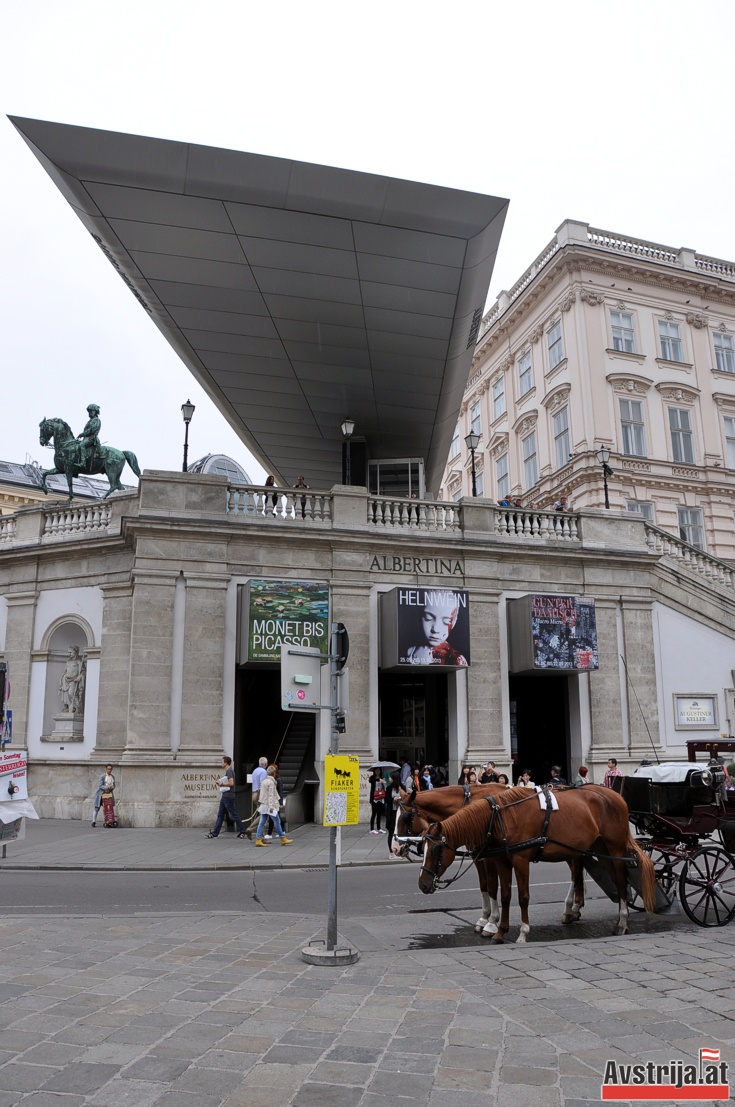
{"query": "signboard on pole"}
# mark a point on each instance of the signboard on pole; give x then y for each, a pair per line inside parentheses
(13, 781)
(341, 790)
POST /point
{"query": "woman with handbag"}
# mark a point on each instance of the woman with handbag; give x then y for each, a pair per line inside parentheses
(281, 808)
(377, 800)
(268, 808)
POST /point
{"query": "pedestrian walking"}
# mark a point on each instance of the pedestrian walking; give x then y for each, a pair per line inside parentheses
(268, 808)
(392, 799)
(256, 779)
(227, 801)
(377, 800)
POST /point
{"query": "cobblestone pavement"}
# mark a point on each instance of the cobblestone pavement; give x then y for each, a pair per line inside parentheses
(215, 1010)
(219, 1010)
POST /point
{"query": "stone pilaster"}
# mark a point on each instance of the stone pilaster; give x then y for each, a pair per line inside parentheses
(151, 651)
(485, 737)
(609, 735)
(203, 667)
(112, 715)
(18, 646)
(642, 693)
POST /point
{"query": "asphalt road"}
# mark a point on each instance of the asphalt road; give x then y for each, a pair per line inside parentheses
(368, 898)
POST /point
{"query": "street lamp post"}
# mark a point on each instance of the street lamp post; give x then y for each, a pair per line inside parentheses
(187, 411)
(603, 456)
(472, 441)
(347, 428)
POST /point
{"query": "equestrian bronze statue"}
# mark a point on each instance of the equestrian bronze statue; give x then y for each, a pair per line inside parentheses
(84, 456)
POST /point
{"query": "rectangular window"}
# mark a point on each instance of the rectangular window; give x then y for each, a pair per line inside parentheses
(682, 440)
(561, 437)
(530, 460)
(499, 397)
(454, 448)
(631, 425)
(475, 418)
(623, 335)
(724, 353)
(730, 441)
(690, 526)
(479, 483)
(556, 346)
(525, 374)
(502, 483)
(641, 507)
(457, 494)
(669, 333)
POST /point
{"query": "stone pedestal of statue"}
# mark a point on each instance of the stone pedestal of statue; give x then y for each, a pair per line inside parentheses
(67, 728)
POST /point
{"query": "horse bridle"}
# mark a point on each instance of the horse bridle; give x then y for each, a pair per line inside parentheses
(438, 845)
(412, 839)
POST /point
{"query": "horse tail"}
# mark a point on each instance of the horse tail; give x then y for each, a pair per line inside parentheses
(132, 461)
(648, 874)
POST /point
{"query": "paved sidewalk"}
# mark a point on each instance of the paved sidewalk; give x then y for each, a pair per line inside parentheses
(66, 844)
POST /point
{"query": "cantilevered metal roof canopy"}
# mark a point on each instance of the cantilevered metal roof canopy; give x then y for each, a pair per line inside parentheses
(297, 294)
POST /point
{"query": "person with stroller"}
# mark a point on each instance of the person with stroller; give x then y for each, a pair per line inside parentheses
(105, 786)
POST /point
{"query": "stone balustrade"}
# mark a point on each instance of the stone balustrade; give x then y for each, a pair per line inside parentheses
(666, 545)
(7, 528)
(278, 505)
(77, 518)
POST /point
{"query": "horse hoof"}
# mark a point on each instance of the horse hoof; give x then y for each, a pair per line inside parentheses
(489, 930)
(567, 919)
(497, 938)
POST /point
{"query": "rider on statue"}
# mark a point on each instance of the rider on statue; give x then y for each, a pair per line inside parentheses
(89, 443)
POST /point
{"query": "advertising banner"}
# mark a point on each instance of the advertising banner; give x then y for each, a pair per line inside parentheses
(553, 632)
(425, 628)
(13, 782)
(275, 612)
(341, 790)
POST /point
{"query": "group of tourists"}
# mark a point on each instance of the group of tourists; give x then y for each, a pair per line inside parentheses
(268, 804)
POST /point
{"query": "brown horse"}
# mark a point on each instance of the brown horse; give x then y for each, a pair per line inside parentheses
(419, 809)
(589, 821)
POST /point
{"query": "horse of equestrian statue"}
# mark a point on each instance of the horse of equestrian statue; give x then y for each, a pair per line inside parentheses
(84, 456)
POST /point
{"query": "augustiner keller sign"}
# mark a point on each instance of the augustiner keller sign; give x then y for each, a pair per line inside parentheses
(272, 612)
(552, 632)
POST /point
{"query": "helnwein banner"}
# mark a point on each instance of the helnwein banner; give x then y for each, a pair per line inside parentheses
(276, 611)
(424, 628)
(552, 632)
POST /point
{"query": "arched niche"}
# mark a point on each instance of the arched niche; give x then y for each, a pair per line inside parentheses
(59, 637)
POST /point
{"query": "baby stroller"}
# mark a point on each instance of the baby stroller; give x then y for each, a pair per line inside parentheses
(108, 809)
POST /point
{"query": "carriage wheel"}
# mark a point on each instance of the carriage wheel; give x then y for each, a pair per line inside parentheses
(707, 887)
(665, 878)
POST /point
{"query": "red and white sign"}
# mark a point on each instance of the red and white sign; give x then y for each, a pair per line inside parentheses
(13, 779)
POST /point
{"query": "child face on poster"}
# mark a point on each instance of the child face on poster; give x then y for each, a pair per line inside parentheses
(438, 620)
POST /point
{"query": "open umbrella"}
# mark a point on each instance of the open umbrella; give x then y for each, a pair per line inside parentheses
(385, 765)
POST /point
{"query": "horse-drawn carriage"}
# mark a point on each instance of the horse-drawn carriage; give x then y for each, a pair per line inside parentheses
(684, 816)
(674, 809)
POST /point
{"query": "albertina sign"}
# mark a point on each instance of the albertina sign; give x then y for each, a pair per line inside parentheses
(274, 612)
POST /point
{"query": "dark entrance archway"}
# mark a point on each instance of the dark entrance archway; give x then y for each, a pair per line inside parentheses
(539, 725)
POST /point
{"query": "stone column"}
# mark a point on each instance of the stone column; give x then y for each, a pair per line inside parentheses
(203, 668)
(18, 646)
(112, 715)
(151, 647)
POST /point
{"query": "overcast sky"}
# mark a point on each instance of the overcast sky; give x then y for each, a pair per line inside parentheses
(619, 115)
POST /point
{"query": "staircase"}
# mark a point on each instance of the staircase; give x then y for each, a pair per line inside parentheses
(297, 742)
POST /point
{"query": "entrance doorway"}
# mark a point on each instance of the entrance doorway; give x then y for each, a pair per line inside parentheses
(539, 725)
(414, 717)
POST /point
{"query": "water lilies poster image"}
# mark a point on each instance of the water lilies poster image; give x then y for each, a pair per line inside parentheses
(292, 611)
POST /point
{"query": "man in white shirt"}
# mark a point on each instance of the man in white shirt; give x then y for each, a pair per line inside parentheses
(259, 775)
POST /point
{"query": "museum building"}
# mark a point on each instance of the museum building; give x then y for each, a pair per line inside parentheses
(333, 316)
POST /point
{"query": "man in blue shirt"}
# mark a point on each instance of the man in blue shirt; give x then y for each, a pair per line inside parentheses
(227, 801)
(259, 775)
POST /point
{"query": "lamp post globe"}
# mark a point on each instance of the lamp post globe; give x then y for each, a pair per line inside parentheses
(603, 456)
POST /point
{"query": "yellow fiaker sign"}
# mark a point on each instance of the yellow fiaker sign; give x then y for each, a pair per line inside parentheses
(341, 790)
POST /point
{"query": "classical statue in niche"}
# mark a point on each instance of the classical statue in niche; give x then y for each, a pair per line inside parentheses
(73, 680)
